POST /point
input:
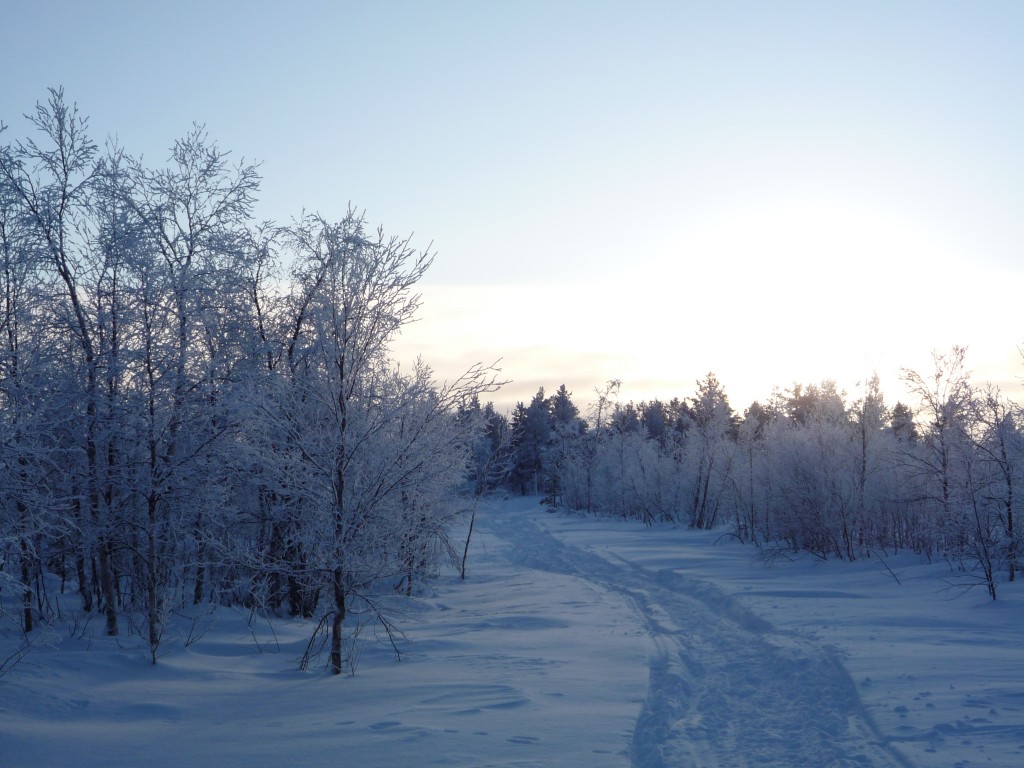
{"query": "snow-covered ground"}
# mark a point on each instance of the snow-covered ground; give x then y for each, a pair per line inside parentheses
(574, 642)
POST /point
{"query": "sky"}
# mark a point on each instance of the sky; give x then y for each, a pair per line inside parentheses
(776, 192)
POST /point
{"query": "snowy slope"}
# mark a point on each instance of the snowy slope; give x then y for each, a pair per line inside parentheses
(573, 642)
(927, 671)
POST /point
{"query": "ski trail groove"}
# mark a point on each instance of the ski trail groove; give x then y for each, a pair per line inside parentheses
(725, 690)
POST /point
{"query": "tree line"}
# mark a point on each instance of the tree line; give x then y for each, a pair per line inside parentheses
(199, 408)
(809, 470)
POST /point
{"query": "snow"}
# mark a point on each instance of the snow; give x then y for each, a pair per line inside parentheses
(573, 642)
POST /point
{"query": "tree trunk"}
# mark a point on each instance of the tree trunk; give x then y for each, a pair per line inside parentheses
(26, 578)
(107, 585)
(200, 585)
(337, 625)
(465, 550)
(83, 582)
(105, 549)
(153, 580)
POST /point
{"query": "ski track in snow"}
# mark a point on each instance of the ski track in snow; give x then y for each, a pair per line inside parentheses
(725, 689)
(573, 642)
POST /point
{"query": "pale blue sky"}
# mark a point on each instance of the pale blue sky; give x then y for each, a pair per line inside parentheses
(643, 190)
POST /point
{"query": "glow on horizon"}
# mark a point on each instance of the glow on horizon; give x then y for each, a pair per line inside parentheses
(460, 325)
(789, 293)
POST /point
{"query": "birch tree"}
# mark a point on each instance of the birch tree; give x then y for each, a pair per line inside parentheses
(709, 450)
(52, 180)
(194, 216)
(937, 460)
(369, 454)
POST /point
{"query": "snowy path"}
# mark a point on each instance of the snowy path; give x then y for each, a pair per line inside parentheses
(573, 642)
(724, 690)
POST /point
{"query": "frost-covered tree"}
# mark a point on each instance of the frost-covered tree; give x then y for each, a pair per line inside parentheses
(192, 219)
(937, 463)
(182, 419)
(996, 477)
(813, 484)
(367, 457)
(655, 420)
(567, 429)
(749, 483)
(52, 178)
(901, 423)
(29, 411)
(531, 439)
(867, 525)
(709, 452)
